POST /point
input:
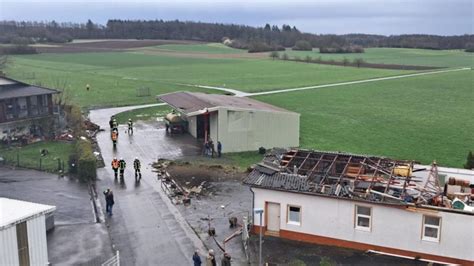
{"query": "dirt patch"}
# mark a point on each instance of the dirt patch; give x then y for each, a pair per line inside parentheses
(107, 45)
(198, 178)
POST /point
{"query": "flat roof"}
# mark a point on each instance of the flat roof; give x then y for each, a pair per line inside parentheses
(10, 88)
(189, 102)
(16, 211)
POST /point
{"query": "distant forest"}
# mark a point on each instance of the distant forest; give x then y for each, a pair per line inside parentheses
(274, 36)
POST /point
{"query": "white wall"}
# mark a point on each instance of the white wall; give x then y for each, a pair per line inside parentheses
(37, 245)
(250, 130)
(213, 127)
(8, 247)
(192, 126)
(391, 227)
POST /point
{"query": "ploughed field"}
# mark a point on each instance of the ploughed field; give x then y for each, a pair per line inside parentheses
(420, 118)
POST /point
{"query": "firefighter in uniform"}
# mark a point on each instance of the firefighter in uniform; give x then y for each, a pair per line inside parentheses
(130, 126)
(115, 166)
(136, 166)
(122, 166)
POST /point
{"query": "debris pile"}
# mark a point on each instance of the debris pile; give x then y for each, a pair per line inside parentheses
(178, 193)
(358, 177)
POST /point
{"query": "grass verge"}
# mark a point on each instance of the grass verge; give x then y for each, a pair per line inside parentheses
(30, 156)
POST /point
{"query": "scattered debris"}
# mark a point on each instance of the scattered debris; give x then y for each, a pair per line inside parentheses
(357, 177)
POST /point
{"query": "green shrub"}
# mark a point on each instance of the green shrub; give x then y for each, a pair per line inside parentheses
(86, 161)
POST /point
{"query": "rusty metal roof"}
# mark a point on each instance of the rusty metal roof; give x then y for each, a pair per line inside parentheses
(189, 102)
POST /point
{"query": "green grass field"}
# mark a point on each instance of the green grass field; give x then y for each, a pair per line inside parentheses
(143, 114)
(208, 48)
(421, 118)
(401, 56)
(30, 155)
(115, 77)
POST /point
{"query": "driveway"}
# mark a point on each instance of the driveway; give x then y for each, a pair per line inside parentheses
(145, 227)
(76, 238)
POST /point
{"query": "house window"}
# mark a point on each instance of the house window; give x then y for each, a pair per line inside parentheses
(294, 215)
(363, 218)
(431, 228)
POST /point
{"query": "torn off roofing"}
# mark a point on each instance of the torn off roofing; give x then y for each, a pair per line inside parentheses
(344, 175)
(189, 102)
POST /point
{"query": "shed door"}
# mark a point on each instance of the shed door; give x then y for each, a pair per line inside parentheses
(22, 241)
(273, 216)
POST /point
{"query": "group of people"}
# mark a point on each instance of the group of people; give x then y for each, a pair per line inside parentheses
(120, 165)
(114, 133)
(211, 259)
(210, 150)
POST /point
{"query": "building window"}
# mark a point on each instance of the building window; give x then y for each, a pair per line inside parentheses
(363, 218)
(431, 228)
(294, 215)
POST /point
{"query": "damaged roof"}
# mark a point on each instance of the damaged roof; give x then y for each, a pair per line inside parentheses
(351, 176)
(189, 102)
(10, 88)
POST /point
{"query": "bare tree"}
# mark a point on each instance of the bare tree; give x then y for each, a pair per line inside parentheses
(359, 61)
(64, 97)
(274, 55)
(345, 61)
(3, 63)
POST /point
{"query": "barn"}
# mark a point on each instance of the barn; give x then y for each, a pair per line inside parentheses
(239, 123)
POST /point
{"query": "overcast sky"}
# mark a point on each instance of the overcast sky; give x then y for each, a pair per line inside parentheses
(442, 17)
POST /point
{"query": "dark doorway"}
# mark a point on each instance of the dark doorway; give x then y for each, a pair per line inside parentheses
(202, 121)
(22, 241)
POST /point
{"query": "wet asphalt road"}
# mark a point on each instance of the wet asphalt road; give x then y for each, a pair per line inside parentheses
(76, 238)
(145, 227)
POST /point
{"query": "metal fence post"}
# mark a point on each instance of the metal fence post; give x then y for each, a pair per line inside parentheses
(40, 166)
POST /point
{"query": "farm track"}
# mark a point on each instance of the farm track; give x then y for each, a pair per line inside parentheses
(239, 93)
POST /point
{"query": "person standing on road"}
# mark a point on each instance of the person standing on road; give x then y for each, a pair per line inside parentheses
(219, 149)
(211, 259)
(109, 201)
(115, 166)
(211, 148)
(226, 260)
(122, 165)
(137, 166)
(111, 122)
(196, 259)
(130, 126)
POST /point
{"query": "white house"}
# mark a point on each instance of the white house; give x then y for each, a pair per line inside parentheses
(358, 202)
(239, 123)
(23, 232)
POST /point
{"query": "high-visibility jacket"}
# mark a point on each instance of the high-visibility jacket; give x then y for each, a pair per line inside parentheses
(130, 124)
(114, 135)
(115, 164)
(122, 164)
(136, 164)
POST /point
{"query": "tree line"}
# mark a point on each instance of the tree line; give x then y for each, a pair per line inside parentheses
(269, 36)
